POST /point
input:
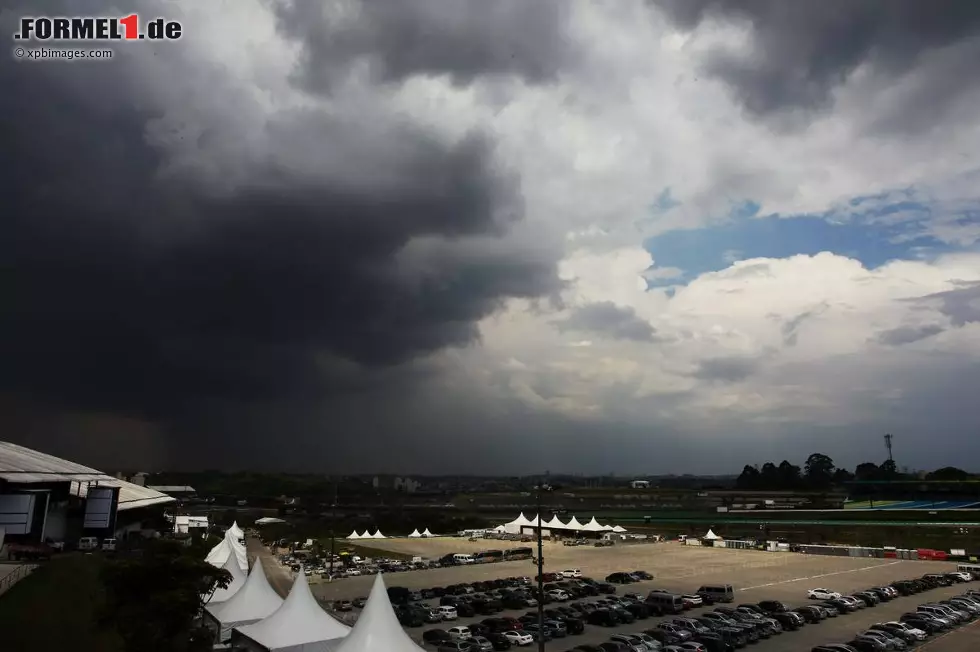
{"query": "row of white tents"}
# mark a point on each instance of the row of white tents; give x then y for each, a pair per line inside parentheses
(518, 524)
(251, 616)
(367, 535)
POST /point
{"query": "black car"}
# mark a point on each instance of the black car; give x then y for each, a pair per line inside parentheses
(809, 613)
(773, 606)
(714, 642)
(619, 578)
(867, 598)
(603, 618)
(639, 610)
(643, 575)
(498, 641)
(606, 588)
(929, 626)
(435, 636)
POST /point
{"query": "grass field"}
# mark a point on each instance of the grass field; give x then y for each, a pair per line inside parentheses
(56, 608)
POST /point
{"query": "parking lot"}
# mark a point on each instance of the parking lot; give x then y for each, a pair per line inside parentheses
(755, 575)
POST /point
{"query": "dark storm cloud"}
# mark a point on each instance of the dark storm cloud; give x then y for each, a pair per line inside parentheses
(961, 305)
(429, 37)
(802, 50)
(134, 287)
(606, 318)
(908, 334)
(726, 369)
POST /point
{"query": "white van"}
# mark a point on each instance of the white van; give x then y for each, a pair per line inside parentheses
(717, 592)
(88, 543)
(109, 545)
(448, 612)
(460, 633)
(461, 558)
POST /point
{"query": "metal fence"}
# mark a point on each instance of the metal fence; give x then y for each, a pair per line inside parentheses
(11, 578)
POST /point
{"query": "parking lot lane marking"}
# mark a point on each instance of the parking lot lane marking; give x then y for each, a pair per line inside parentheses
(814, 577)
(929, 644)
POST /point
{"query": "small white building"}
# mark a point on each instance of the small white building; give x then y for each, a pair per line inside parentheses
(640, 484)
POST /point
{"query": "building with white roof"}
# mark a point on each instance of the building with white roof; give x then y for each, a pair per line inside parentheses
(37, 490)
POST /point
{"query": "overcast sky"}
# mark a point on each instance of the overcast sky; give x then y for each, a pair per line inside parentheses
(432, 236)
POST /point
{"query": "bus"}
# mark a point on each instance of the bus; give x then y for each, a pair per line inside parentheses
(488, 556)
(518, 553)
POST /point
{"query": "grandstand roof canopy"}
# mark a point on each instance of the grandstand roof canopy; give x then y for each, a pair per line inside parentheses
(20, 465)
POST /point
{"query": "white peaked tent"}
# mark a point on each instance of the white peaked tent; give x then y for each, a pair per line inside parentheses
(364, 536)
(251, 603)
(555, 522)
(377, 628)
(426, 533)
(228, 548)
(593, 526)
(574, 524)
(354, 535)
(300, 621)
(618, 528)
(378, 535)
(235, 531)
(711, 536)
(415, 534)
(238, 578)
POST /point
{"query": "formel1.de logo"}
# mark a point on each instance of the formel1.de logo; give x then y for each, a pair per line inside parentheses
(97, 28)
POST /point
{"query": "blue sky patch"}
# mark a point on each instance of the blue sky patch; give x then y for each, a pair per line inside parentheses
(873, 229)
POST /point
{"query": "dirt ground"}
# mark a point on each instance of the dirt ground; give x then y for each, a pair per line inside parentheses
(675, 567)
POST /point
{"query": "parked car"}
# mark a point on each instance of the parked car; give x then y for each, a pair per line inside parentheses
(822, 594)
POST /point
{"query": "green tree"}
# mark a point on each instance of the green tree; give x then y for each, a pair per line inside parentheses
(819, 471)
(153, 599)
(948, 473)
(749, 479)
(789, 476)
(842, 475)
(867, 471)
(769, 476)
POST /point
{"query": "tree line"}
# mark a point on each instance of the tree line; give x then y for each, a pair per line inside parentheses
(819, 473)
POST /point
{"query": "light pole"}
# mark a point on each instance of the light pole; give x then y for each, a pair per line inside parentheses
(333, 530)
(541, 489)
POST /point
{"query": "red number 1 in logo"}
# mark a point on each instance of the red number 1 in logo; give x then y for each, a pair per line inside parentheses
(131, 23)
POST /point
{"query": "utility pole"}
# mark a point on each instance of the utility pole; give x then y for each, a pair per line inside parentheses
(888, 445)
(333, 530)
(541, 486)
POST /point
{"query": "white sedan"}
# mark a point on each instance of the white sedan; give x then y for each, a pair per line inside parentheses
(822, 594)
(571, 573)
(518, 638)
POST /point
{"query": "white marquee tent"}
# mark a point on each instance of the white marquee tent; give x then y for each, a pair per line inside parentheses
(711, 536)
(269, 520)
(235, 531)
(426, 533)
(354, 535)
(251, 603)
(618, 528)
(238, 578)
(377, 535)
(299, 621)
(593, 526)
(227, 548)
(378, 627)
(364, 535)
(555, 523)
(415, 534)
(574, 524)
